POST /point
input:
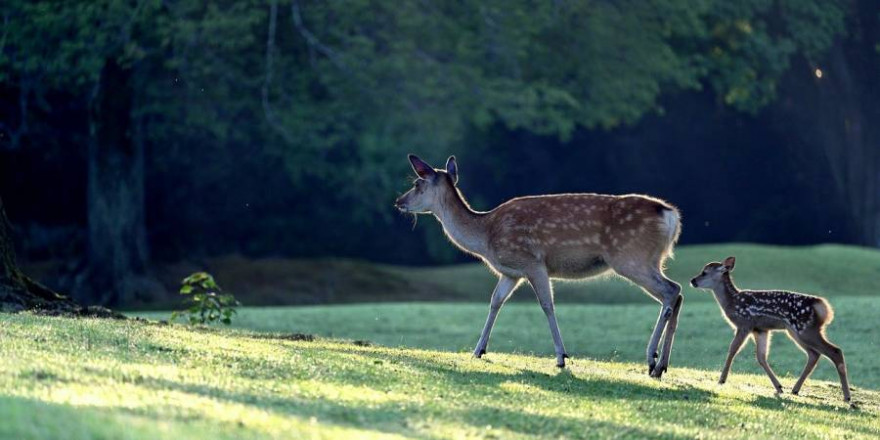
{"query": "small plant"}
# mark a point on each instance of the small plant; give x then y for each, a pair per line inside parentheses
(207, 301)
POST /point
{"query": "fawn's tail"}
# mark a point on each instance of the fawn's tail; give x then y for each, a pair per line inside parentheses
(824, 311)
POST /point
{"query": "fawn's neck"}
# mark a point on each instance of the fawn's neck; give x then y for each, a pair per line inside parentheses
(465, 227)
(725, 291)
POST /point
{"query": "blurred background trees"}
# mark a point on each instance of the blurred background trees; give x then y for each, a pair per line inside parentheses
(142, 131)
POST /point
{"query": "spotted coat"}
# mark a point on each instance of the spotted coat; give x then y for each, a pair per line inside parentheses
(794, 310)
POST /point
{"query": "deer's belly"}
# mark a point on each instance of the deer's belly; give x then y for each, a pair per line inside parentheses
(575, 266)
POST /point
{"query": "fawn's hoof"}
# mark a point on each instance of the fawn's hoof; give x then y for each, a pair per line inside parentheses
(779, 390)
(478, 353)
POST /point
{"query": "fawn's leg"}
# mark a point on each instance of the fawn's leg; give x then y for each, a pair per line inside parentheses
(812, 359)
(665, 291)
(833, 352)
(735, 345)
(505, 287)
(762, 346)
(540, 281)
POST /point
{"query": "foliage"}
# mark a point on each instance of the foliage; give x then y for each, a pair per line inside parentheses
(207, 301)
(336, 93)
(101, 379)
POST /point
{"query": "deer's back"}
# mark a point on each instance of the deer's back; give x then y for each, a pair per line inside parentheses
(573, 235)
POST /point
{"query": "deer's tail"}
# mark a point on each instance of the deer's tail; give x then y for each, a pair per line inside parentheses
(672, 226)
(824, 311)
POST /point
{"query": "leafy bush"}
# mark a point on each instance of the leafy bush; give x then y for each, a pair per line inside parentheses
(207, 302)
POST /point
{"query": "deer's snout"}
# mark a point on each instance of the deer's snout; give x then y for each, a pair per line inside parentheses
(400, 204)
(694, 282)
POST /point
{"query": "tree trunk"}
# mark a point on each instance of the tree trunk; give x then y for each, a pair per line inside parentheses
(833, 111)
(18, 292)
(117, 250)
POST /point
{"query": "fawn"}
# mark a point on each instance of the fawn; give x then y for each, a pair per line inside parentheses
(570, 236)
(758, 312)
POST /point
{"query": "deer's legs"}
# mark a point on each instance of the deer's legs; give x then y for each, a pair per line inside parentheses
(667, 292)
(735, 345)
(812, 360)
(668, 336)
(762, 345)
(505, 287)
(816, 340)
(544, 290)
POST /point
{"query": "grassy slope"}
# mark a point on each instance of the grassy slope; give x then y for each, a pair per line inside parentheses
(832, 270)
(63, 378)
(604, 332)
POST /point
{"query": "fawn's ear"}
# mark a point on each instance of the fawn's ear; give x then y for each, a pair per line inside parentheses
(452, 169)
(729, 262)
(421, 168)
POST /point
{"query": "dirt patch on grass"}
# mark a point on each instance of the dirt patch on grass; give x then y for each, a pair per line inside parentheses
(285, 336)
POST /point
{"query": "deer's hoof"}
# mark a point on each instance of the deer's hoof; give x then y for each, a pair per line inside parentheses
(657, 373)
(560, 360)
(479, 353)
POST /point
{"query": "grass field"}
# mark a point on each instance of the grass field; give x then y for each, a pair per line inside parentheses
(85, 378)
(831, 270)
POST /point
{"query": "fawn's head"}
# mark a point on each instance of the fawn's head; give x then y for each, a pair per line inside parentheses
(430, 189)
(713, 274)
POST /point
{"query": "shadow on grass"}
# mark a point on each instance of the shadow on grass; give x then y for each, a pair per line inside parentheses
(407, 418)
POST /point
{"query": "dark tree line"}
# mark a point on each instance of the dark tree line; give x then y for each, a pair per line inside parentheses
(178, 129)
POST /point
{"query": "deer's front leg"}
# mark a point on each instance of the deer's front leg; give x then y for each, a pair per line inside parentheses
(762, 346)
(735, 345)
(505, 287)
(544, 290)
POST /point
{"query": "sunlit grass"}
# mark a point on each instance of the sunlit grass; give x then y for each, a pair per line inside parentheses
(68, 378)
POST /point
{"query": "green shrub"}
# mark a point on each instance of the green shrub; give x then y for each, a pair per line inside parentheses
(207, 302)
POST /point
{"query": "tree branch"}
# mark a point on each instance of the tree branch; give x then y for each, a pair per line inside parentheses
(271, 117)
(313, 41)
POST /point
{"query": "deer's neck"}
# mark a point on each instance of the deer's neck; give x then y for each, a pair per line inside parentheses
(725, 291)
(465, 227)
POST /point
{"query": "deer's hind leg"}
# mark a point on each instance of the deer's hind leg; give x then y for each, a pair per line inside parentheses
(812, 360)
(667, 293)
(817, 341)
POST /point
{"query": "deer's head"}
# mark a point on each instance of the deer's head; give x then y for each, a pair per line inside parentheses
(430, 189)
(713, 274)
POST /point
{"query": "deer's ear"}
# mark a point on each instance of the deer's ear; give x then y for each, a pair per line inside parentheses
(729, 262)
(452, 169)
(421, 168)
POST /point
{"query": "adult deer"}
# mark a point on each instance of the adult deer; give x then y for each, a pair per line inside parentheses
(564, 236)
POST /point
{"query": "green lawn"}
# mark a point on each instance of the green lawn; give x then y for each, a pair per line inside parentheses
(832, 270)
(86, 378)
